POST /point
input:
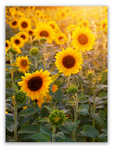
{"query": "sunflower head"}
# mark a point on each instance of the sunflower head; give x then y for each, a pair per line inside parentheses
(36, 84)
(43, 40)
(72, 88)
(90, 74)
(83, 39)
(12, 51)
(23, 63)
(24, 24)
(20, 97)
(68, 61)
(57, 118)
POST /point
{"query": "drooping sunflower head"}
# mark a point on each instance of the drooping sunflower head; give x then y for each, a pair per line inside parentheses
(7, 45)
(90, 74)
(23, 36)
(14, 23)
(23, 63)
(16, 40)
(24, 24)
(46, 31)
(36, 84)
(68, 61)
(61, 38)
(83, 39)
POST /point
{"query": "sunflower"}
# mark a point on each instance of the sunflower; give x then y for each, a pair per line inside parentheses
(24, 24)
(44, 30)
(103, 24)
(62, 14)
(7, 45)
(38, 13)
(70, 28)
(14, 23)
(23, 36)
(30, 32)
(40, 101)
(23, 63)
(17, 41)
(16, 48)
(61, 38)
(68, 61)
(53, 24)
(36, 84)
(83, 39)
(31, 8)
(68, 10)
(84, 24)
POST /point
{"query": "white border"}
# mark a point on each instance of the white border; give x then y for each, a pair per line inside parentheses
(64, 146)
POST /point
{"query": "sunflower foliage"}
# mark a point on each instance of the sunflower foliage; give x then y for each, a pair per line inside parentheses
(56, 74)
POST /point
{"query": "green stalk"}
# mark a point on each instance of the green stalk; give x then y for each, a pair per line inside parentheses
(53, 133)
(75, 117)
(44, 56)
(15, 123)
(52, 103)
(93, 140)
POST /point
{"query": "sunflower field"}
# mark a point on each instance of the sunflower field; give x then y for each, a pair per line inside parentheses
(56, 74)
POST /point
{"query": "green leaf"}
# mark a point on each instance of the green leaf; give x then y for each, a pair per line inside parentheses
(57, 95)
(69, 140)
(89, 131)
(23, 120)
(72, 125)
(84, 111)
(104, 76)
(41, 137)
(99, 117)
(103, 137)
(50, 109)
(54, 77)
(28, 111)
(11, 126)
(15, 87)
(44, 120)
(27, 128)
(9, 99)
(60, 135)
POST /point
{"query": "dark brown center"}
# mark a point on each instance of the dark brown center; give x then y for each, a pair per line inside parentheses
(24, 24)
(35, 83)
(24, 63)
(82, 38)
(84, 23)
(60, 38)
(14, 23)
(68, 61)
(6, 44)
(44, 33)
(30, 32)
(23, 36)
(17, 41)
(104, 25)
(52, 26)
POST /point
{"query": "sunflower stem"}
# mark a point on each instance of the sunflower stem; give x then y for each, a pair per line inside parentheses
(93, 140)
(44, 48)
(15, 123)
(75, 116)
(53, 133)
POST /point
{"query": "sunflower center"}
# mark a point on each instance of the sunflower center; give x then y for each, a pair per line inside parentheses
(17, 41)
(14, 22)
(84, 23)
(52, 26)
(24, 24)
(30, 32)
(104, 25)
(23, 36)
(36, 100)
(68, 61)
(63, 14)
(82, 38)
(35, 83)
(60, 38)
(6, 44)
(24, 63)
(44, 33)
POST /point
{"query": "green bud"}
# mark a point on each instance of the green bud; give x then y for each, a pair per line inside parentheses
(72, 89)
(90, 74)
(20, 97)
(43, 40)
(12, 50)
(57, 118)
(34, 51)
